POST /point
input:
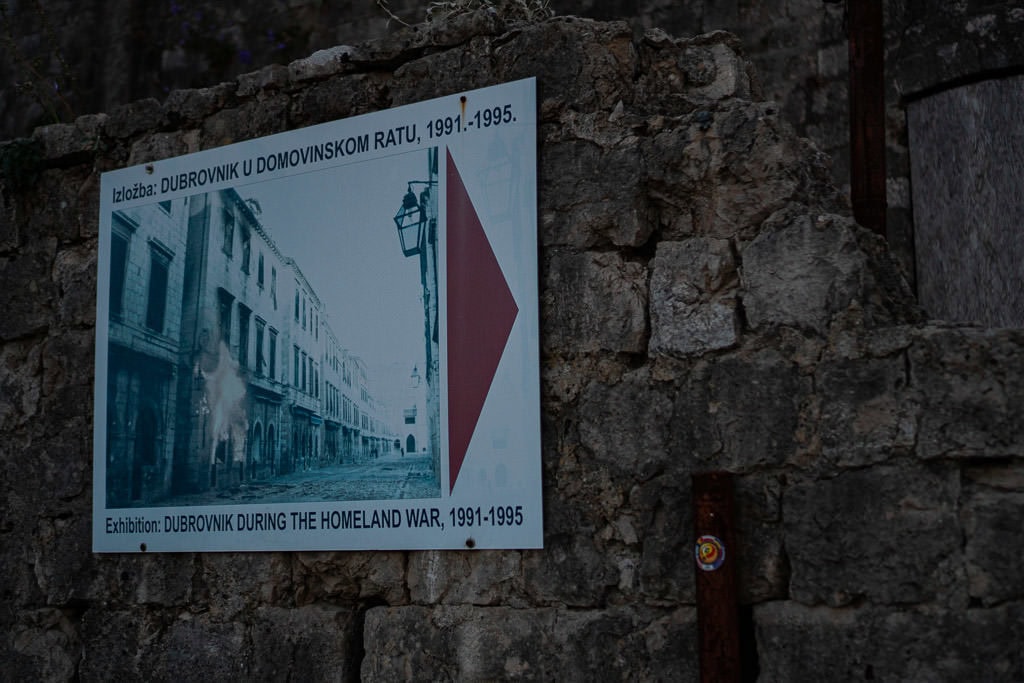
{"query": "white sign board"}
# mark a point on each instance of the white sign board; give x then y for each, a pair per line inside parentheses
(325, 339)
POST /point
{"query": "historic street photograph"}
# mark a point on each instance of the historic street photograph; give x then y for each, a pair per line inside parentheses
(277, 341)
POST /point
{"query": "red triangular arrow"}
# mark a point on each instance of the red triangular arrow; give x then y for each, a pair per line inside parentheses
(481, 311)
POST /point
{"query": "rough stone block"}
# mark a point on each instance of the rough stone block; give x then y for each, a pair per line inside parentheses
(198, 647)
(8, 221)
(886, 534)
(468, 577)
(250, 120)
(496, 643)
(726, 77)
(664, 509)
(320, 64)
(594, 302)
(992, 526)
(231, 584)
(137, 117)
(338, 97)
(971, 383)
(20, 383)
(74, 271)
(151, 580)
(762, 569)
(740, 412)
(61, 553)
(273, 77)
(61, 140)
(758, 167)
(580, 63)
(625, 425)
(868, 410)
(334, 576)
(123, 644)
(157, 147)
(44, 646)
(571, 570)
(25, 278)
(192, 106)
(591, 196)
(800, 271)
(692, 310)
(799, 643)
(309, 643)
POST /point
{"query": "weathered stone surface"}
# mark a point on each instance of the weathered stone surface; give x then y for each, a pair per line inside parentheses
(306, 643)
(20, 383)
(197, 646)
(317, 577)
(693, 307)
(159, 146)
(74, 271)
(338, 97)
(273, 77)
(187, 107)
(740, 412)
(799, 643)
(991, 520)
(476, 578)
(8, 225)
(25, 278)
(124, 644)
(571, 571)
(580, 189)
(596, 302)
(43, 645)
(972, 392)
(62, 140)
(886, 534)
(664, 512)
(762, 565)
(321, 63)
(955, 41)
(470, 643)
(153, 580)
(129, 119)
(868, 410)
(309, 643)
(800, 271)
(247, 121)
(625, 425)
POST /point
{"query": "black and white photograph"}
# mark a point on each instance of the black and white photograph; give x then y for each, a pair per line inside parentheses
(277, 341)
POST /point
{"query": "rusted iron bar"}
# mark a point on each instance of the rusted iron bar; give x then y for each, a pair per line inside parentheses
(867, 113)
(715, 557)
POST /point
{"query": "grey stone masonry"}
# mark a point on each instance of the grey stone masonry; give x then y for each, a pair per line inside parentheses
(705, 304)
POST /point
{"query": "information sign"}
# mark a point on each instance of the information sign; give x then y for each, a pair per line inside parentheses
(326, 338)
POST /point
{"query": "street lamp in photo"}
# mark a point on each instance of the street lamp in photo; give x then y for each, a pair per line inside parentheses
(411, 219)
(416, 222)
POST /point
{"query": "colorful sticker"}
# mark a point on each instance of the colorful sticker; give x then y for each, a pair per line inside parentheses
(710, 553)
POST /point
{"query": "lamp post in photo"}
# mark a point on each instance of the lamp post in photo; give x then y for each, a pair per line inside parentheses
(416, 222)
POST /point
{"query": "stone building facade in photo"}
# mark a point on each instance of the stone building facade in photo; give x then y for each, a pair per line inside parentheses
(223, 366)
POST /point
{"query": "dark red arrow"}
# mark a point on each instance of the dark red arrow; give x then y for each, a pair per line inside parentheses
(481, 312)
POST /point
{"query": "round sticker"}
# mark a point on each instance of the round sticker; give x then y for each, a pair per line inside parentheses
(710, 553)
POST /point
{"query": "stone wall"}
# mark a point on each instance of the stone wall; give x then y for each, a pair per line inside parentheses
(705, 304)
(64, 58)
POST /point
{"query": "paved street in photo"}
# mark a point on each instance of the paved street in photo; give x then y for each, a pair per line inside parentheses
(385, 478)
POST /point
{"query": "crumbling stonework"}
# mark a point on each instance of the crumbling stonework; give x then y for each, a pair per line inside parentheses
(705, 304)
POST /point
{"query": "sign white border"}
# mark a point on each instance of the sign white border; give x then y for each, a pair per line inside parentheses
(495, 501)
